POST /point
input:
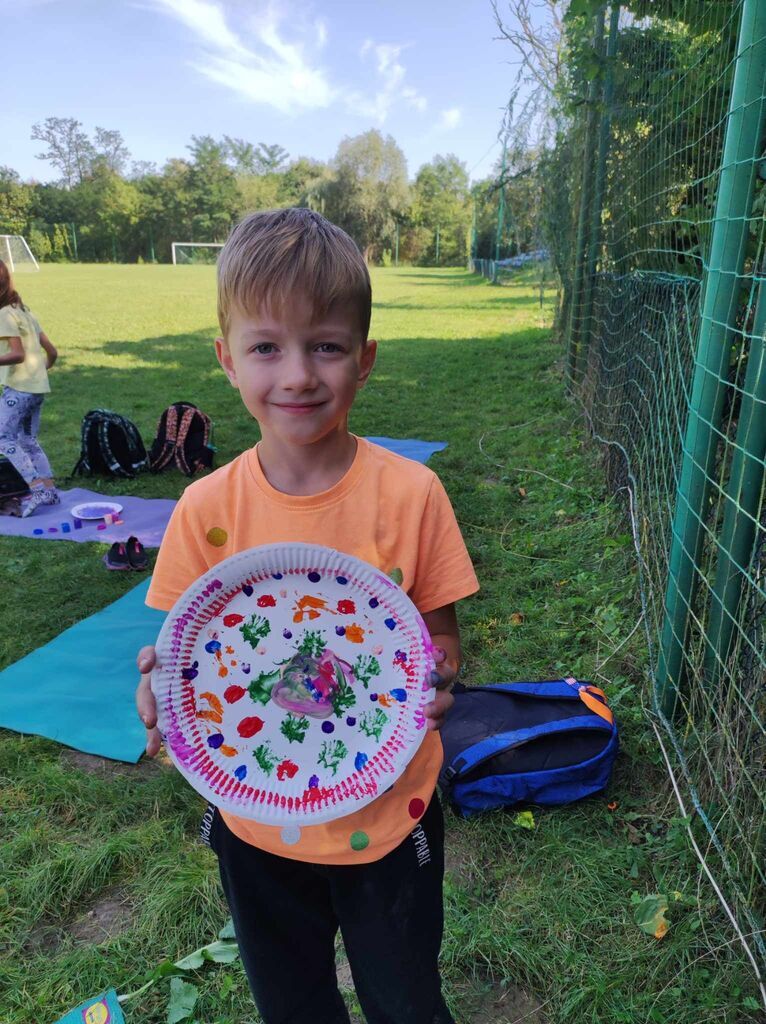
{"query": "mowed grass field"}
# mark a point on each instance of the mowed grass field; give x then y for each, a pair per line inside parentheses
(102, 877)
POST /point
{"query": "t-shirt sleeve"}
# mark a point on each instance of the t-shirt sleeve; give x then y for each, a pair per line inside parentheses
(181, 559)
(9, 327)
(444, 571)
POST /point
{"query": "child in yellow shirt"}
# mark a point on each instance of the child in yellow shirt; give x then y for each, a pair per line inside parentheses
(294, 304)
(26, 355)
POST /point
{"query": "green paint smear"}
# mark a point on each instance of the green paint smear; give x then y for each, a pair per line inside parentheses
(261, 687)
(294, 728)
(255, 630)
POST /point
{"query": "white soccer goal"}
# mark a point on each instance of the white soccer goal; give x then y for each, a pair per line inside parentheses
(16, 253)
(195, 252)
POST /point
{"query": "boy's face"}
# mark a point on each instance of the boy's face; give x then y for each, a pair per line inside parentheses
(298, 379)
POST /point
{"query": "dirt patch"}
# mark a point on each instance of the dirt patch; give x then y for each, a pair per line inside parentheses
(109, 917)
(464, 859)
(484, 1001)
(105, 768)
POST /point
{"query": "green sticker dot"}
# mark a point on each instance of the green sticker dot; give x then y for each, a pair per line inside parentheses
(217, 536)
(359, 841)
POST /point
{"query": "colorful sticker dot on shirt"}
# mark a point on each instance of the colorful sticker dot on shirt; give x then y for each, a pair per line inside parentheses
(359, 841)
(416, 807)
(217, 537)
(290, 834)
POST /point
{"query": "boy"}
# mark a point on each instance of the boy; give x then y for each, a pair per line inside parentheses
(294, 304)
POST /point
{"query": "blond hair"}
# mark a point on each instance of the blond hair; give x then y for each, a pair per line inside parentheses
(272, 255)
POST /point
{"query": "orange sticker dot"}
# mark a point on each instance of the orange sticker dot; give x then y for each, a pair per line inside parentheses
(217, 536)
(416, 808)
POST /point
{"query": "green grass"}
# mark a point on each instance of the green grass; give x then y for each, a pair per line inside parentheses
(548, 910)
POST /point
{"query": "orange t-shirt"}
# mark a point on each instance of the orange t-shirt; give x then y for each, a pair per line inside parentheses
(390, 511)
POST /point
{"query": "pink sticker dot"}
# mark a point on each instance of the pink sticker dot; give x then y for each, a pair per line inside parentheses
(416, 808)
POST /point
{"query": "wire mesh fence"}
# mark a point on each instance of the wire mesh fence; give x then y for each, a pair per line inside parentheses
(663, 263)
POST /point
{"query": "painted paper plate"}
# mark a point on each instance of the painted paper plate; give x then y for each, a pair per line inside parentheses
(96, 509)
(291, 683)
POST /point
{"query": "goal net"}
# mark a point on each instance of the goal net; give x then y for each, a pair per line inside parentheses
(195, 252)
(15, 252)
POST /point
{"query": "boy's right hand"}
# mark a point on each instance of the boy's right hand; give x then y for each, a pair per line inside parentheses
(147, 707)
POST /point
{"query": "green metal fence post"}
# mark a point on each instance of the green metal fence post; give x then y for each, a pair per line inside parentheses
(743, 494)
(585, 202)
(596, 206)
(742, 147)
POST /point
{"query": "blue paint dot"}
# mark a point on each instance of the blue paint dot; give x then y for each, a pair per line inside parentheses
(189, 673)
(360, 761)
(373, 697)
(398, 694)
(247, 590)
(314, 782)
(340, 630)
(215, 740)
(287, 634)
(241, 772)
(328, 727)
(212, 646)
(314, 577)
(391, 623)
(350, 720)
(342, 580)
(276, 575)
(373, 602)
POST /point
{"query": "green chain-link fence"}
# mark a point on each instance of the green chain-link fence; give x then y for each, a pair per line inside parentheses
(663, 262)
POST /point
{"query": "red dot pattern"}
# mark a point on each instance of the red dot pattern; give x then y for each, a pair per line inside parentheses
(416, 808)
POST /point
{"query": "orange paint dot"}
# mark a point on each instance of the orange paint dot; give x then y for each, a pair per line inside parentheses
(416, 808)
(217, 536)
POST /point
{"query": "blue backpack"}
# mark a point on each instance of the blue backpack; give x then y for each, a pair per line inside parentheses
(543, 743)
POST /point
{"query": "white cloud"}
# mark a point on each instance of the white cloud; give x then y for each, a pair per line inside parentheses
(260, 65)
(392, 73)
(450, 118)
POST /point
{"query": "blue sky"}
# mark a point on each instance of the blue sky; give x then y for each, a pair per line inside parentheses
(301, 74)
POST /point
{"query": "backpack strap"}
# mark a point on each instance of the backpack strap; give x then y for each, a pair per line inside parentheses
(488, 747)
(593, 698)
(165, 457)
(183, 431)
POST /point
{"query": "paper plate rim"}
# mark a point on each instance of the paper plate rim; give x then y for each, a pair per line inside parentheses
(114, 509)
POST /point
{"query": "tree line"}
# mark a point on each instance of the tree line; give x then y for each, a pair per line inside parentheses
(105, 207)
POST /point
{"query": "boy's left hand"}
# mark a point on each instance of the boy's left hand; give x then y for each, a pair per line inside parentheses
(443, 677)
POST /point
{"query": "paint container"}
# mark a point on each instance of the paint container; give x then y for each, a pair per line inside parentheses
(53, 529)
(38, 532)
(108, 519)
(101, 526)
(78, 524)
(66, 528)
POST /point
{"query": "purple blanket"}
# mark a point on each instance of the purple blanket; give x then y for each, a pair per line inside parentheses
(145, 518)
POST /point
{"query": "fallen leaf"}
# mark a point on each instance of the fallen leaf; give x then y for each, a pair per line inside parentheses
(517, 618)
(524, 819)
(522, 492)
(650, 915)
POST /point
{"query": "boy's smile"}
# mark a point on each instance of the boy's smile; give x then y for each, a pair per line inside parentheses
(298, 379)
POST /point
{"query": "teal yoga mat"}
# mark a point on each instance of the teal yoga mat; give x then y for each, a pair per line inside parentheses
(79, 689)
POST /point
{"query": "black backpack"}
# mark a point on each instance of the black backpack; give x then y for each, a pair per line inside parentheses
(183, 439)
(110, 445)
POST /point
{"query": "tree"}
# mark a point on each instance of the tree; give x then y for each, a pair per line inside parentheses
(111, 149)
(213, 190)
(69, 148)
(368, 189)
(270, 158)
(441, 202)
(15, 202)
(241, 155)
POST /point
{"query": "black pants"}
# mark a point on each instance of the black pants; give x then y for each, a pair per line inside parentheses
(286, 915)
